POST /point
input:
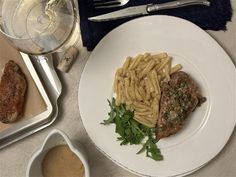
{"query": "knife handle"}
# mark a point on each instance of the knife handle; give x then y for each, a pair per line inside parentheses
(176, 4)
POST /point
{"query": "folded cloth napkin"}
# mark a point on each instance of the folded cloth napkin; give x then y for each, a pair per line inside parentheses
(214, 17)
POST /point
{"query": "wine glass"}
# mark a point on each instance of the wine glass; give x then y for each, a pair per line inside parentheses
(39, 26)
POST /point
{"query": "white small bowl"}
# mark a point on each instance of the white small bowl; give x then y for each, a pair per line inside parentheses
(55, 138)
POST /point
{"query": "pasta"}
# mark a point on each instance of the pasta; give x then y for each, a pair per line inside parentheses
(137, 84)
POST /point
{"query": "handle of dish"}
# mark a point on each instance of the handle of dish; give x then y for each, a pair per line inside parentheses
(46, 62)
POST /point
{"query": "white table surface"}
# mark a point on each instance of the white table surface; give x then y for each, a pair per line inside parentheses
(14, 159)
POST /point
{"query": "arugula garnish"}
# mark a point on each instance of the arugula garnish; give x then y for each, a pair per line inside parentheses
(131, 131)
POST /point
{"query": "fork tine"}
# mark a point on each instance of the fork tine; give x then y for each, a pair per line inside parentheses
(107, 6)
(112, 2)
(102, 0)
(99, 4)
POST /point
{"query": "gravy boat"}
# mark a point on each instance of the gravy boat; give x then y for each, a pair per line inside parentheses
(55, 137)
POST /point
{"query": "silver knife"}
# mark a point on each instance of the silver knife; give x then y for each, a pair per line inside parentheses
(146, 9)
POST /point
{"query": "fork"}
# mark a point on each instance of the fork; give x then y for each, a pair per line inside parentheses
(99, 4)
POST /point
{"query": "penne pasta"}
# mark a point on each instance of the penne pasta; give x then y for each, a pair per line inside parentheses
(149, 67)
(126, 64)
(163, 63)
(135, 62)
(137, 84)
(167, 71)
(175, 68)
(137, 94)
(143, 113)
(160, 55)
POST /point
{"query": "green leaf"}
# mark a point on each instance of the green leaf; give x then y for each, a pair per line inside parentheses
(142, 149)
(132, 132)
(107, 121)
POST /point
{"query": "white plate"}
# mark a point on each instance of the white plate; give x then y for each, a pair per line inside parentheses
(209, 127)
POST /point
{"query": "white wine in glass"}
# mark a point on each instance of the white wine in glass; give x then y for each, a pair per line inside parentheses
(39, 26)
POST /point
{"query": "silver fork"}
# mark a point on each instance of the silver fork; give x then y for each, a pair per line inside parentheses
(101, 4)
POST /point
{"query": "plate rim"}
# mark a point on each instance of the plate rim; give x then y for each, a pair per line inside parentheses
(230, 63)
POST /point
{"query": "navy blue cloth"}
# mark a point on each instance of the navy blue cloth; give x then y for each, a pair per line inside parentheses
(214, 17)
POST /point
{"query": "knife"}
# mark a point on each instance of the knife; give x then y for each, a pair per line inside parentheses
(146, 9)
